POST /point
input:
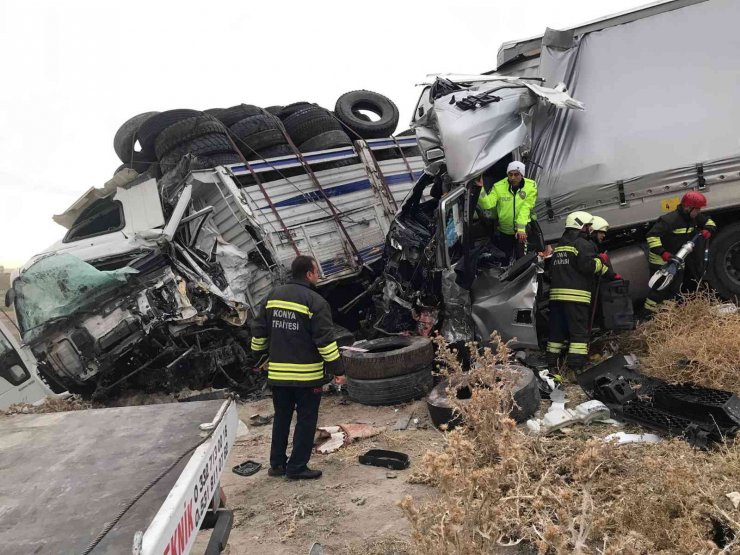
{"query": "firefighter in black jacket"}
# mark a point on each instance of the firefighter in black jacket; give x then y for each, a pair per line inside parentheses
(295, 326)
(574, 265)
(666, 237)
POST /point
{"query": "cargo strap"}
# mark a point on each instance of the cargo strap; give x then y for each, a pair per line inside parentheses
(267, 197)
(405, 160)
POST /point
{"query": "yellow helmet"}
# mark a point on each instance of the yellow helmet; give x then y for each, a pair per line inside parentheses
(599, 224)
(576, 220)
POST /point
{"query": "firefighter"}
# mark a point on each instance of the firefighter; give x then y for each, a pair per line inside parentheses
(666, 237)
(510, 202)
(599, 227)
(574, 264)
(295, 327)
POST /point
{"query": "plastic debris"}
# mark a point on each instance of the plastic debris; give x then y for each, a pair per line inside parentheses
(623, 437)
(332, 438)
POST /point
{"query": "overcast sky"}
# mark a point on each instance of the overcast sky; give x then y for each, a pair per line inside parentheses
(73, 71)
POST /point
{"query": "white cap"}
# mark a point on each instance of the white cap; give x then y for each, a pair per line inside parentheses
(516, 166)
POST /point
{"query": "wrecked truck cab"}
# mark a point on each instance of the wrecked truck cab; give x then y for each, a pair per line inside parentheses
(19, 379)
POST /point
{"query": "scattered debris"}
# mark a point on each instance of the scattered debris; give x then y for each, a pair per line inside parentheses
(359, 501)
(387, 459)
(247, 468)
(623, 437)
(391, 475)
(404, 421)
(259, 420)
(332, 438)
(734, 498)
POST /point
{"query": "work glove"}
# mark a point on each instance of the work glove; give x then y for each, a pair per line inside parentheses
(666, 256)
(521, 236)
(706, 233)
(604, 257)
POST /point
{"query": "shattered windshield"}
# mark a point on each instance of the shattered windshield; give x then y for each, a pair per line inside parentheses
(58, 286)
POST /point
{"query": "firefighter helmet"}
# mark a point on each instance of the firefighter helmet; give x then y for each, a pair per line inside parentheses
(576, 220)
(599, 224)
(694, 199)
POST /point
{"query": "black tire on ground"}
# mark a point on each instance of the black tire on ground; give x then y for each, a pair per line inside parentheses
(312, 121)
(204, 146)
(229, 116)
(525, 392)
(185, 131)
(290, 109)
(352, 102)
(391, 391)
(389, 357)
(325, 141)
(274, 110)
(151, 128)
(724, 261)
(127, 135)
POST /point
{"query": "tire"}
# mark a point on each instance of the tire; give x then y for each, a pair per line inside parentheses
(352, 102)
(213, 112)
(310, 122)
(185, 131)
(391, 391)
(229, 116)
(260, 141)
(389, 357)
(525, 392)
(274, 110)
(127, 135)
(290, 109)
(254, 124)
(204, 146)
(325, 141)
(274, 152)
(724, 262)
(153, 126)
(204, 162)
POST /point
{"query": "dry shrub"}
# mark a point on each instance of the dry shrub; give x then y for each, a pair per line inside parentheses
(51, 404)
(497, 486)
(380, 546)
(691, 342)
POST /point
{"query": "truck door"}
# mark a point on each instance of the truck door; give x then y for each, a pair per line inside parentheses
(18, 382)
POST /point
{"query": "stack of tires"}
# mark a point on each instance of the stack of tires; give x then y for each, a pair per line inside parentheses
(389, 370)
(160, 139)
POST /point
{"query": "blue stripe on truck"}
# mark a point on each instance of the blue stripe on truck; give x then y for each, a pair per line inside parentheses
(339, 190)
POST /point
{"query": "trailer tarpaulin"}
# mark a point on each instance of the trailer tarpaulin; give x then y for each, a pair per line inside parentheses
(653, 103)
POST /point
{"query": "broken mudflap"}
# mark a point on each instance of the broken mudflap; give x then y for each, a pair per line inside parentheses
(700, 415)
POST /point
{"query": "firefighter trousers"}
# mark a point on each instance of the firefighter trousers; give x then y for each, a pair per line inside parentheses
(568, 327)
(305, 402)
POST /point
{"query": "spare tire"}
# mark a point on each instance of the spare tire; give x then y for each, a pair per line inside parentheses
(185, 131)
(127, 135)
(525, 392)
(229, 116)
(388, 357)
(349, 104)
(391, 391)
(312, 121)
(151, 128)
(325, 141)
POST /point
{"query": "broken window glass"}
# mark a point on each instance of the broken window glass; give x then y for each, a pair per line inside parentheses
(59, 285)
(101, 217)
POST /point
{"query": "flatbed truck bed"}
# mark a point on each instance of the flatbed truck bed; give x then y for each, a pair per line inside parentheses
(65, 477)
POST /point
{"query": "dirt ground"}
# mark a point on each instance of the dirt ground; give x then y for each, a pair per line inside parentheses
(349, 505)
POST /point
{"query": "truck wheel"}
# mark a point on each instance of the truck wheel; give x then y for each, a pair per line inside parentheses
(184, 131)
(352, 102)
(291, 109)
(229, 116)
(204, 146)
(390, 391)
(253, 124)
(127, 135)
(151, 128)
(388, 357)
(525, 392)
(724, 262)
(325, 141)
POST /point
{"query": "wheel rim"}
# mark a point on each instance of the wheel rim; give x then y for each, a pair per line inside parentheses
(732, 263)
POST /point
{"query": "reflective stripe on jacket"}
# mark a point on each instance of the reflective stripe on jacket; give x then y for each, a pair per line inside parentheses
(573, 266)
(295, 326)
(671, 231)
(513, 209)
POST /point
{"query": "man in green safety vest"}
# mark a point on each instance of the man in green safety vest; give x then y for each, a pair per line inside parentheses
(510, 202)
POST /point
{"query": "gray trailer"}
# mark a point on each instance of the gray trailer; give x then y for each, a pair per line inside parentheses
(138, 480)
(659, 85)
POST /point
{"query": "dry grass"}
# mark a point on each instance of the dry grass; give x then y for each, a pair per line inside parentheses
(380, 546)
(52, 404)
(498, 486)
(691, 342)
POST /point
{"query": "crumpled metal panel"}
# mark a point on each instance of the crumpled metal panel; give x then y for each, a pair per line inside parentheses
(456, 323)
(496, 305)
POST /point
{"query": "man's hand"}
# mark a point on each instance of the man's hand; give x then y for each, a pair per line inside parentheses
(521, 236)
(706, 233)
(604, 257)
(339, 380)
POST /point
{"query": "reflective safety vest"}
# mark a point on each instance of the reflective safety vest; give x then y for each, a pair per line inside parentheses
(513, 210)
(671, 231)
(295, 326)
(573, 265)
